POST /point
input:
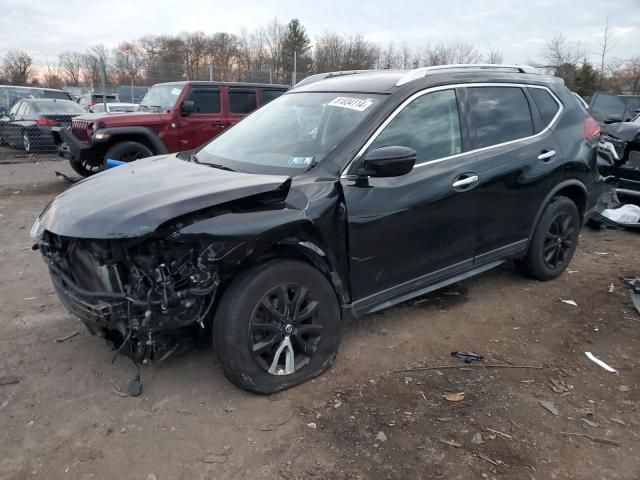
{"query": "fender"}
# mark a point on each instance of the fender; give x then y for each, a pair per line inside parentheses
(148, 133)
(564, 184)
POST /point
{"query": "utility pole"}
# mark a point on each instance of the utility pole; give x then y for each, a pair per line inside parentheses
(295, 69)
(103, 82)
(605, 49)
(211, 73)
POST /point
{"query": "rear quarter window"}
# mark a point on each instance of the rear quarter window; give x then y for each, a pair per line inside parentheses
(498, 115)
(547, 106)
(242, 101)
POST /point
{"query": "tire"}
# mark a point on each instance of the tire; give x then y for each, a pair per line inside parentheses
(27, 145)
(84, 168)
(238, 327)
(128, 152)
(554, 241)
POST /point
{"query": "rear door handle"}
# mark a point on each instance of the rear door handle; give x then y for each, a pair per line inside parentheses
(465, 180)
(219, 123)
(547, 155)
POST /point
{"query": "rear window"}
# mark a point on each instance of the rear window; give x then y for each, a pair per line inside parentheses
(99, 98)
(58, 95)
(546, 104)
(498, 115)
(58, 106)
(606, 105)
(242, 101)
(268, 95)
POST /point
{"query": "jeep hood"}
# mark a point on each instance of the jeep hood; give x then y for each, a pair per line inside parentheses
(125, 118)
(627, 131)
(135, 199)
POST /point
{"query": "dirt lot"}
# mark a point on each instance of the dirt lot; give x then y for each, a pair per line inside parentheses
(361, 420)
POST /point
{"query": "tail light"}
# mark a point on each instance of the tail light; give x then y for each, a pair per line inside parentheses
(46, 122)
(591, 128)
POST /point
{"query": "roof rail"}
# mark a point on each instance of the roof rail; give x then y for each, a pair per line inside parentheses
(424, 71)
(322, 76)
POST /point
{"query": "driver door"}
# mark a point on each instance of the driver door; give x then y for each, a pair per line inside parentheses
(411, 231)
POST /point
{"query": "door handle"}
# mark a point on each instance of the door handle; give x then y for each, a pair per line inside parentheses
(465, 180)
(547, 155)
(218, 123)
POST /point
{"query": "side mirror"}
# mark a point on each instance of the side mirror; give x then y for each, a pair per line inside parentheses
(612, 119)
(391, 161)
(187, 107)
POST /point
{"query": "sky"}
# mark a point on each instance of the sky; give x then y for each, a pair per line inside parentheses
(520, 29)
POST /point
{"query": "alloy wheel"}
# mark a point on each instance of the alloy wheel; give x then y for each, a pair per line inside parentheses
(559, 241)
(284, 331)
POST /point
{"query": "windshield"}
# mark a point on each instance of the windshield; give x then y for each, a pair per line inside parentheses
(58, 106)
(161, 96)
(290, 134)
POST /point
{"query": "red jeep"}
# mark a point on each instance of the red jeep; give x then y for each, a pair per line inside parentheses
(173, 117)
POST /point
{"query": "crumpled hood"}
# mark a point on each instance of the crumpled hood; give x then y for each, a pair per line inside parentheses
(135, 199)
(627, 131)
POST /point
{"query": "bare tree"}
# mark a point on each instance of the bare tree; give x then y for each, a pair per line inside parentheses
(128, 62)
(17, 67)
(196, 47)
(275, 36)
(223, 49)
(494, 56)
(71, 67)
(560, 52)
(605, 47)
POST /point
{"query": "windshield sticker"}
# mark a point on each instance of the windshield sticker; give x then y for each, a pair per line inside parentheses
(300, 161)
(359, 104)
(175, 91)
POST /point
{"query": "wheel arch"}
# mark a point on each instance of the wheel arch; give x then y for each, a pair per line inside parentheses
(573, 189)
(143, 135)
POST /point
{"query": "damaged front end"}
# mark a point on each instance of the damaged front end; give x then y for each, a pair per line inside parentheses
(148, 297)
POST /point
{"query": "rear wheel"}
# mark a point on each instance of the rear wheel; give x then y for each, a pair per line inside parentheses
(27, 145)
(128, 152)
(277, 325)
(554, 241)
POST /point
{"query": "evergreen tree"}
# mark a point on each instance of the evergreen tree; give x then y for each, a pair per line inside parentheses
(296, 40)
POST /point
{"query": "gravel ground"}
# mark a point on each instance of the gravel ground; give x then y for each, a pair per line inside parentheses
(360, 420)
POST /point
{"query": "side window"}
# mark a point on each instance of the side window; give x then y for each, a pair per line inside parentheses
(268, 95)
(430, 125)
(547, 106)
(27, 109)
(498, 115)
(242, 101)
(205, 100)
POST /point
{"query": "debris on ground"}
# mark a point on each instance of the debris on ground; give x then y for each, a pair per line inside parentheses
(634, 283)
(451, 443)
(67, 178)
(599, 362)
(217, 457)
(549, 406)
(558, 386)
(477, 439)
(9, 380)
(611, 287)
(569, 302)
(625, 214)
(454, 397)
(468, 357)
(135, 387)
(312, 425)
(68, 337)
(590, 423)
(495, 463)
(381, 436)
(594, 439)
(498, 432)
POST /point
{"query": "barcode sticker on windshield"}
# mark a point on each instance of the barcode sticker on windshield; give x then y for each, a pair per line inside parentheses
(175, 91)
(359, 104)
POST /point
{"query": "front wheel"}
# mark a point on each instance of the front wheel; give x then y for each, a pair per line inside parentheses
(277, 325)
(26, 142)
(554, 241)
(85, 168)
(128, 152)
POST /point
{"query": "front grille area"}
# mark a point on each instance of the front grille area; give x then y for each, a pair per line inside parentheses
(81, 130)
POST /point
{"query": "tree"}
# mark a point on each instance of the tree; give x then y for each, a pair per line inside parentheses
(223, 50)
(71, 67)
(494, 56)
(586, 80)
(17, 67)
(196, 50)
(296, 41)
(605, 47)
(275, 35)
(128, 62)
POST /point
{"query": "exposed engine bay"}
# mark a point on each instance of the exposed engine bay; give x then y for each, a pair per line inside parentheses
(147, 297)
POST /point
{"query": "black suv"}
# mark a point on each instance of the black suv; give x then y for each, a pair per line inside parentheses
(346, 195)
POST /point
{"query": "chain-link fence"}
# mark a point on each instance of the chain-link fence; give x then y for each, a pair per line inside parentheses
(40, 93)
